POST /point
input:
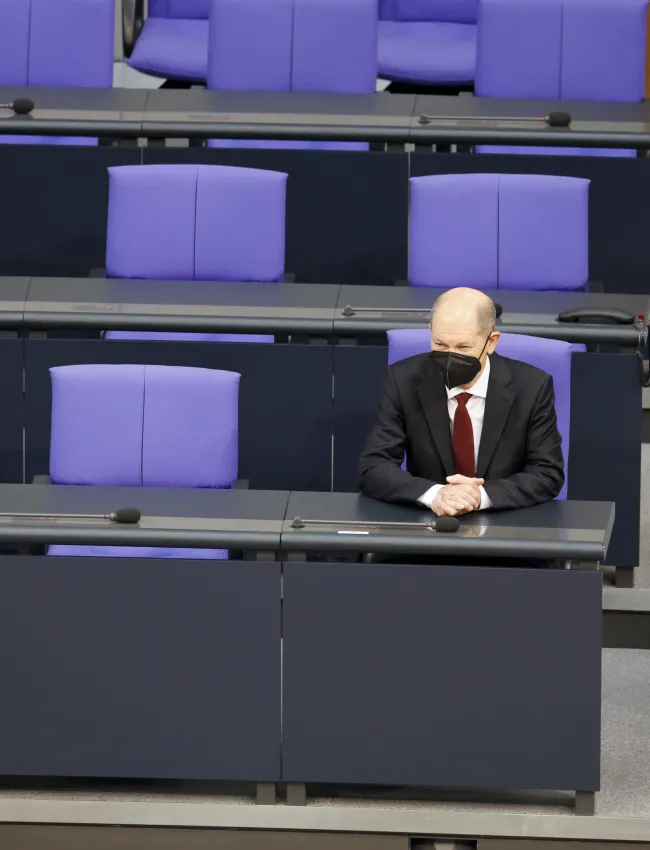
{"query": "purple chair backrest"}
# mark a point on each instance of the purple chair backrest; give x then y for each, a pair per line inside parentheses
(568, 49)
(499, 231)
(551, 355)
(453, 11)
(197, 9)
(152, 426)
(293, 45)
(187, 222)
(57, 42)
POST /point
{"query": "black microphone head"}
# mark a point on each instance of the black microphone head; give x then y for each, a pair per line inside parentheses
(447, 524)
(498, 309)
(558, 119)
(128, 515)
(22, 105)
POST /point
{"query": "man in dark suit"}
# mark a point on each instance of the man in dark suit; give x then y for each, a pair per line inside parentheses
(479, 430)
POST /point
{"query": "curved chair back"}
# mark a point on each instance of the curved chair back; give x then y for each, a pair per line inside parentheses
(196, 222)
(152, 426)
(499, 231)
(62, 43)
(293, 45)
(551, 355)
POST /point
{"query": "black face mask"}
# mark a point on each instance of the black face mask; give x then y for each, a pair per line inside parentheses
(457, 369)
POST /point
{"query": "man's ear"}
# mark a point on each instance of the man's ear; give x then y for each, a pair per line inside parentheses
(492, 342)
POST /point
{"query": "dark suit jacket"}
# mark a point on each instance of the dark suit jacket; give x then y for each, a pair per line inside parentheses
(520, 454)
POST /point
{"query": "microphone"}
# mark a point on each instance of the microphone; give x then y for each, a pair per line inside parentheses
(21, 106)
(553, 119)
(442, 524)
(123, 516)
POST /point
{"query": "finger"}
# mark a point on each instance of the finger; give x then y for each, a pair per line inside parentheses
(463, 479)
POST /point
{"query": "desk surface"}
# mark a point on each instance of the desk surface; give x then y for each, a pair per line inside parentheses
(326, 116)
(563, 530)
(261, 519)
(180, 305)
(75, 111)
(13, 292)
(289, 115)
(364, 310)
(312, 308)
(250, 519)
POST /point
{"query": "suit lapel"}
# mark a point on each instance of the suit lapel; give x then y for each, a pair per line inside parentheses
(433, 398)
(498, 404)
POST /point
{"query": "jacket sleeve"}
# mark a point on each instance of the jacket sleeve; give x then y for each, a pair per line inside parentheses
(380, 472)
(543, 475)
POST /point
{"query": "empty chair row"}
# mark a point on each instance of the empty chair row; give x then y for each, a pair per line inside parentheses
(212, 222)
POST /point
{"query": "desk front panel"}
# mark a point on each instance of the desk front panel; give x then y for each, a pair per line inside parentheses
(441, 676)
(140, 669)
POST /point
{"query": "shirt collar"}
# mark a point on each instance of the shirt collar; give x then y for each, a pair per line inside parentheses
(479, 389)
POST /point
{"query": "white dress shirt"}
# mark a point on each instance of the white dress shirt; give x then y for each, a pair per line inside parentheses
(476, 410)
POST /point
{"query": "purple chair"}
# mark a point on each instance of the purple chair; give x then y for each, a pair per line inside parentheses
(499, 231)
(293, 45)
(561, 49)
(195, 222)
(428, 41)
(143, 426)
(550, 355)
(62, 43)
(173, 41)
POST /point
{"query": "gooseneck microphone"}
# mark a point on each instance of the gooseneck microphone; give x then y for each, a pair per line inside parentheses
(21, 106)
(553, 119)
(123, 516)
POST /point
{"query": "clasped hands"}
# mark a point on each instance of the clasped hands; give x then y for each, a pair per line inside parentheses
(459, 496)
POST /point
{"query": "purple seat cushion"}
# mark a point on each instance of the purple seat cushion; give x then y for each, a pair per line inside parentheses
(454, 231)
(151, 212)
(240, 224)
(179, 8)
(334, 45)
(172, 48)
(249, 45)
(543, 232)
(135, 552)
(48, 140)
(427, 52)
(71, 43)
(604, 50)
(189, 434)
(284, 144)
(551, 355)
(548, 151)
(97, 422)
(14, 42)
(187, 337)
(518, 50)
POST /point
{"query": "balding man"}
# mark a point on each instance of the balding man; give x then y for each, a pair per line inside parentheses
(478, 430)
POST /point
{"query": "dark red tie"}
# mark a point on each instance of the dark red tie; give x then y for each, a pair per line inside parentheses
(463, 438)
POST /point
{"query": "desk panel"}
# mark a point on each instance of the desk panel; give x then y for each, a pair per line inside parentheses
(285, 401)
(54, 207)
(605, 448)
(619, 205)
(441, 676)
(13, 410)
(164, 669)
(347, 215)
